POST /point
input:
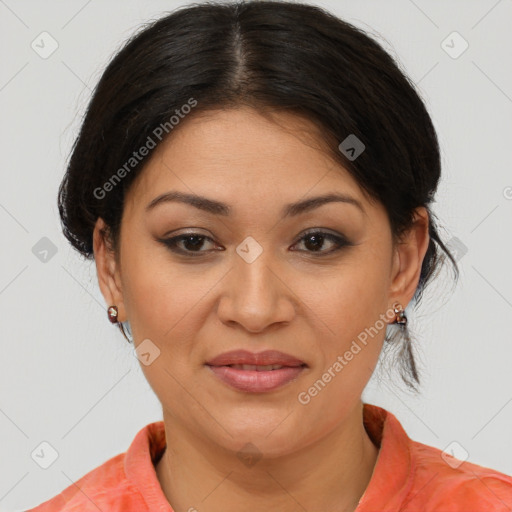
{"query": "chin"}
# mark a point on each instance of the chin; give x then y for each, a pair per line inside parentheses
(269, 434)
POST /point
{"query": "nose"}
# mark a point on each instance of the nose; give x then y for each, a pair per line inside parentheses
(256, 295)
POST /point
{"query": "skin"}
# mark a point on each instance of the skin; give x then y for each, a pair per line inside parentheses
(316, 456)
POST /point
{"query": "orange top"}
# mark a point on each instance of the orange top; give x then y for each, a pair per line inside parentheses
(408, 477)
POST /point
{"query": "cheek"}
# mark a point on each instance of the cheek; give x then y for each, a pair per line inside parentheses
(166, 305)
(354, 294)
(348, 308)
(159, 301)
(166, 301)
(348, 305)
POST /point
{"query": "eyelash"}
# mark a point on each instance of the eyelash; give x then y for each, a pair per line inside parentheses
(171, 243)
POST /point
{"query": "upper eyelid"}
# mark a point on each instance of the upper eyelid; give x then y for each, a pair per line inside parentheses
(340, 239)
(299, 237)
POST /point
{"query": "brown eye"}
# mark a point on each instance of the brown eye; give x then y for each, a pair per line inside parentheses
(192, 244)
(187, 244)
(315, 241)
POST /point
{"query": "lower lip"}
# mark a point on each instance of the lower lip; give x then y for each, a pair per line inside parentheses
(254, 381)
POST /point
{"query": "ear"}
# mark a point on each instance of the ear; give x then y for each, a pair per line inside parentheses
(408, 258)
(109, 276)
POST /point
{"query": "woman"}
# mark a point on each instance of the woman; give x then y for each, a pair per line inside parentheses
(254, 181)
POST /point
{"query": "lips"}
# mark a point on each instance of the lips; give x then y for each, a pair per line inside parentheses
(258, 359)
(256, 372)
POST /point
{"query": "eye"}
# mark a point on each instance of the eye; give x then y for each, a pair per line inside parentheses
(191, 243)
(315, 240)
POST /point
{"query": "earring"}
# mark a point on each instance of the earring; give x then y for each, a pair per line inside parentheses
(400, 317)
(112, 314)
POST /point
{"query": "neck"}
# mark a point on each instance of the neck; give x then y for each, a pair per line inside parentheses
(331, 473)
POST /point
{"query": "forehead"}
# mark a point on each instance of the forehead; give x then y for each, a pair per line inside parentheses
(242, 150)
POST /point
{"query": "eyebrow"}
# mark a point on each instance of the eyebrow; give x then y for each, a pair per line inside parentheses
(218, 208)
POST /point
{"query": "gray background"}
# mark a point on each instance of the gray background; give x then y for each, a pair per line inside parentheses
(67, 376)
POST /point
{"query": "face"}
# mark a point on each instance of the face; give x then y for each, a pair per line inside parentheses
(314, 281)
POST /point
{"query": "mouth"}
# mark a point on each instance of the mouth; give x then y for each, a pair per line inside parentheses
(257, 378)
(258, 359)
(258, 368)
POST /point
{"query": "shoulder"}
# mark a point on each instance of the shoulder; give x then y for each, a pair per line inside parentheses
(104, 486)
(444, 483)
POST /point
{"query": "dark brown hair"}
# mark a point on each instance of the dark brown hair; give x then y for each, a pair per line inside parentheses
(273, 56)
